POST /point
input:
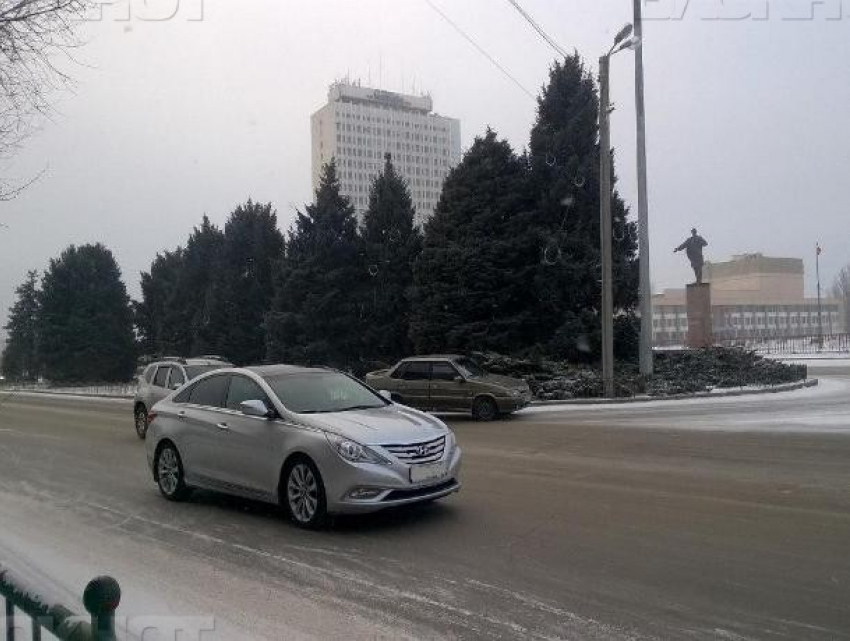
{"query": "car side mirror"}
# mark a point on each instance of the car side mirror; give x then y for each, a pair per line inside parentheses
(387, 395)
(255, 408)
(175, 385)
(460, 379)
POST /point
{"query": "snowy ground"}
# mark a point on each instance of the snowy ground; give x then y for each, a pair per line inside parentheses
(820, 363)
(699, 519)
(122, 390)
(824, 408)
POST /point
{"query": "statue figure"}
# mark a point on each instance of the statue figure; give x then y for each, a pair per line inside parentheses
(693, 248)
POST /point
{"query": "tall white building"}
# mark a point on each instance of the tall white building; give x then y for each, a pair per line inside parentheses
(359, 126)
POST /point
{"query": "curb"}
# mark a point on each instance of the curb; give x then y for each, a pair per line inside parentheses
(124, 397)
(785, 387)
(809, 359)
(774, 389)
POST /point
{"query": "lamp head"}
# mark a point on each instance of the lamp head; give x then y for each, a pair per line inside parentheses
(624, 33)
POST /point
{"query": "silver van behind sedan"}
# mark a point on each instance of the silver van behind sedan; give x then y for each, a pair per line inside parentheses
(162, 377)
(314, 440)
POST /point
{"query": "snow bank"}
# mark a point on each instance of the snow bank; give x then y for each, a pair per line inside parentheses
(824, 389)
(821, 363)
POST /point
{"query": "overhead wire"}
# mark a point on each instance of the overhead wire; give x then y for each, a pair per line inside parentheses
(536, 26)
(480, 49)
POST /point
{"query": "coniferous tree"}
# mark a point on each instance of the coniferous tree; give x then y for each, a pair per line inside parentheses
(390, 244)
(85, 322)
(511, 259)
(190, 311)
(20, 356)
(564, 162)
(158, 288)
(471, 281)
(316, 314)
(841, 291)
(252, 247)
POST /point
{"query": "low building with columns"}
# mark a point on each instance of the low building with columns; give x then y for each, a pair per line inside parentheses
(752, 296)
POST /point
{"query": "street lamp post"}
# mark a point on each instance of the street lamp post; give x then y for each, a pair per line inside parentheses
(605, 189)
(605, 229)
(820, 312)
(646, 364)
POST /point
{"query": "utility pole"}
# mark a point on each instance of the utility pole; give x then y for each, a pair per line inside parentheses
(605, 230)
(820, 315)
(646, 359)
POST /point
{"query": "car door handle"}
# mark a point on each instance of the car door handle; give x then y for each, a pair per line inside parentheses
(223, 427)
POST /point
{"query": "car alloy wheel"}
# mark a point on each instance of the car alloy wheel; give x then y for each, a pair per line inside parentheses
(169, 473)
(141, 420)
(305, 495)
(484, 409)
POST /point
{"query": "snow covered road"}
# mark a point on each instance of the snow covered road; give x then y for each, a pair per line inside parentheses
(697, 519)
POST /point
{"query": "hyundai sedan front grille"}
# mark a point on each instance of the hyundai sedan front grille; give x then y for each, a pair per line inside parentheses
(418, 453)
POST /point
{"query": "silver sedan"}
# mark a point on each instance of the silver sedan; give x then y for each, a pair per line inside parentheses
(314, 440)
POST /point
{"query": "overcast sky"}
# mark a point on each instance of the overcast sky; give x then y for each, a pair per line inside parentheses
(748, 130)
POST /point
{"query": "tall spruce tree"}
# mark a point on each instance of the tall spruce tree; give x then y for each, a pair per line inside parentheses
(85, 322)
(252, 247)
(564, 162)
(20, 356)
(471, 282)
(317, 313)
(390, 243)
(189, 326)
(511, 259)
(158, 286)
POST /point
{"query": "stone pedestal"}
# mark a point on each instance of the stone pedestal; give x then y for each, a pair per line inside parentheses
(699, 315)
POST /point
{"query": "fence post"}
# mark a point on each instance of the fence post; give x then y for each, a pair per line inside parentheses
(101, 598)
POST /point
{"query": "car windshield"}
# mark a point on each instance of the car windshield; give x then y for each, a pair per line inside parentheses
(470, 368)
(323, 392)
(193, 371)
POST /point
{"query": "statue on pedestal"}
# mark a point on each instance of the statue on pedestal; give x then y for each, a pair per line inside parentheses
(693, 248)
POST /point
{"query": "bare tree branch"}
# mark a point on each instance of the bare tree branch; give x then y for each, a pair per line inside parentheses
(33, 34)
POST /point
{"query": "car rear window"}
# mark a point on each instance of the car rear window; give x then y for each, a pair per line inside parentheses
(176, 378)
(417, 371)
(210, 392)
(161, 376)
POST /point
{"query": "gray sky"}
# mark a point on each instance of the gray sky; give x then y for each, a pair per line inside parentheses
(748, 132)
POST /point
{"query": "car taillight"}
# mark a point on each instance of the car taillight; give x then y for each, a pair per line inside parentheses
(151, 417)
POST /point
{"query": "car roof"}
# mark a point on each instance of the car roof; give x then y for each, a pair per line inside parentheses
(284, 370)
(431, 357)
(176, 360)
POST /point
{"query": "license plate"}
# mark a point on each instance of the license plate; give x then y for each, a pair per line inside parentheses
(428, 472)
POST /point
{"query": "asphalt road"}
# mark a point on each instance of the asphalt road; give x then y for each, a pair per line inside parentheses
(700, 520)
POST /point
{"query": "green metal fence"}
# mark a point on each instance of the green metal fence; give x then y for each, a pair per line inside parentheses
(100, 598)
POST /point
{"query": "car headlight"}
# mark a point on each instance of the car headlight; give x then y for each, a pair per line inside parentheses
(451, 441)
(516, 393)
(354, 451)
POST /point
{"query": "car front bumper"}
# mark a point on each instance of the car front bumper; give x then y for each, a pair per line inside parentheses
(511, 404)
(390, 483)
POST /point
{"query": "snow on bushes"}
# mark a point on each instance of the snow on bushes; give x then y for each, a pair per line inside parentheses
(676, 372)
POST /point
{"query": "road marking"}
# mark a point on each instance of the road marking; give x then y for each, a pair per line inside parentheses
(341, 577)
(26, 433)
